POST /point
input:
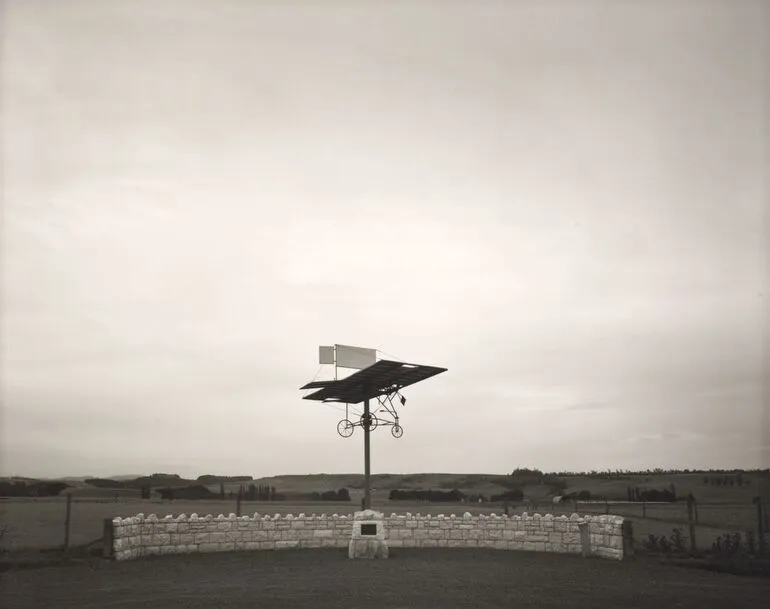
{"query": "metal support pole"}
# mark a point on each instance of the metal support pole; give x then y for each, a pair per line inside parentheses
(367, 490)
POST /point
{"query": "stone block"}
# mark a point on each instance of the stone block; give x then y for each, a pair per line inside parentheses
(266, 545)
(367, 548)
(209, 547)
(202, 538)
(305, 534)
(571, 538)
(218, 537)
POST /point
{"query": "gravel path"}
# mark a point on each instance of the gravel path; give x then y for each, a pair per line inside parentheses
(410, 578)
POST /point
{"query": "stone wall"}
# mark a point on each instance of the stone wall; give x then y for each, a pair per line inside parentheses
(138, 536)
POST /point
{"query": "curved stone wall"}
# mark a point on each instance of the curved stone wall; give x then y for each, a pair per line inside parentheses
(140, 536)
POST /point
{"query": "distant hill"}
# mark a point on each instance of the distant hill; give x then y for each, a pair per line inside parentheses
(533, 485)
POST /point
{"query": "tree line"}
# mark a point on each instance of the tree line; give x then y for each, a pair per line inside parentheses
(635, 494)
(453, 496)
(33, 489)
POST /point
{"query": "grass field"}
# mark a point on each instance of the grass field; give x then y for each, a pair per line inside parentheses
(39, 523)
(442, 578)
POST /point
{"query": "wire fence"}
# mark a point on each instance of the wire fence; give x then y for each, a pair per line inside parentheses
(67, 522)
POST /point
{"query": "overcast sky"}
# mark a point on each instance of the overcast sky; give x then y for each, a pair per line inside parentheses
(564, 203)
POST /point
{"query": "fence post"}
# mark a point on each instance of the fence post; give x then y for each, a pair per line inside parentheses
(606, 506)
(238, 504)
(691, 522)
(108, 538)
(644, 509)
(760, 525)
(67, 522)
(628, 538)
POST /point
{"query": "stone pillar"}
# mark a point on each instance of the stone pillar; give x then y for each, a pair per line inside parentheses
(585, 538)
(368, 537)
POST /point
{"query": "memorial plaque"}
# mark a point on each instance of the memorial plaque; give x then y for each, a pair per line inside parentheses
(368, 529)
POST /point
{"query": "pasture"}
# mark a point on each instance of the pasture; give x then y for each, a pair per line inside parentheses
(39, 523)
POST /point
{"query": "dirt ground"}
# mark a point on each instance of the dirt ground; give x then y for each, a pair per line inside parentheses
(410, 578)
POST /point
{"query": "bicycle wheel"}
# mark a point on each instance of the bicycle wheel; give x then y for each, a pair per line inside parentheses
(345, 428)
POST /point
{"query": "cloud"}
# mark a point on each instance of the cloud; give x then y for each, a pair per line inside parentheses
(539, 210)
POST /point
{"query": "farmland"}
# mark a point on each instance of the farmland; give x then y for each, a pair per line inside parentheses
(37, 523)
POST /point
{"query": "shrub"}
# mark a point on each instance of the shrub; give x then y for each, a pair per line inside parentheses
(678, 541)
(651, 543)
